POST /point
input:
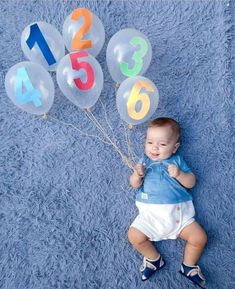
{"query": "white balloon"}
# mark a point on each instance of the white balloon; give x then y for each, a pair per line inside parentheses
(94, 32)
(137, 99)
(80, 78)
(128, 54)
(43, 44)
(30, 87)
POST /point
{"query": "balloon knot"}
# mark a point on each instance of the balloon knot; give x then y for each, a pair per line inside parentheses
(45, 116)
(117, 84)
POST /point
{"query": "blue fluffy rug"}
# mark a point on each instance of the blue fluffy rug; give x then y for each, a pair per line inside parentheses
(65, 202)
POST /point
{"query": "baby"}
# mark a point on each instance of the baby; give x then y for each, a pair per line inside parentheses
(165, 207)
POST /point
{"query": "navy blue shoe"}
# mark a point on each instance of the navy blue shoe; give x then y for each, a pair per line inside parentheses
(150, 267)
(194, 274)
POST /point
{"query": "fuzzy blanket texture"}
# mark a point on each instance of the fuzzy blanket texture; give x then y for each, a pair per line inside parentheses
(65, 201)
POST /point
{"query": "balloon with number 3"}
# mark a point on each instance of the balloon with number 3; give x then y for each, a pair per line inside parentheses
(128, 54)
(137, 99)
(80, 78)
(83, 30)
(30, 87)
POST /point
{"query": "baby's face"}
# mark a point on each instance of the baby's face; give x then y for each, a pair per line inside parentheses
(160, 143)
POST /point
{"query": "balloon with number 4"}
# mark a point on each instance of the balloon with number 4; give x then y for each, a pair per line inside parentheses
(30, 87)
(128, 54)
(137, 99)
(83, 30)
(80, 78)
(42, 43)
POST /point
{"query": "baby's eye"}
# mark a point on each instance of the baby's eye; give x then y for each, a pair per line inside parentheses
(163, 144)
(149, 142)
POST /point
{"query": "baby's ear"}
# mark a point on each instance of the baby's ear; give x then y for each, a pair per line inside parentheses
(176, 147)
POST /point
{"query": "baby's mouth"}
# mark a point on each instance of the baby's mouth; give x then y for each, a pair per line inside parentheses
(155, 155)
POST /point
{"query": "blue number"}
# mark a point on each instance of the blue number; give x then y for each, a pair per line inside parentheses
(36, 36)
(31, 93)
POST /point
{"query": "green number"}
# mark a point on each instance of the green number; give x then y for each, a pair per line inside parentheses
(137, 57)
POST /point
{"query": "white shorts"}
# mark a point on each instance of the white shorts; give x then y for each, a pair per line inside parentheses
(163, 221)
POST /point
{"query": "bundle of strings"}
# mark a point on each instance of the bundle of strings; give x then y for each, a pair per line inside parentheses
(127, 158)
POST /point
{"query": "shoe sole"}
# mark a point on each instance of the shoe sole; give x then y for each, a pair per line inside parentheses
(192, 281)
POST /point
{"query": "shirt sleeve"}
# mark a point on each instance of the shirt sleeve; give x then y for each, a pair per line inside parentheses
(183, 165)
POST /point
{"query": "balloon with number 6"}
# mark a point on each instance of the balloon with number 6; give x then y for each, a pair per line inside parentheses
(42, 43)
(30, 87)
(80, 78)
(128, 54)
(83, 30)
(137, 99)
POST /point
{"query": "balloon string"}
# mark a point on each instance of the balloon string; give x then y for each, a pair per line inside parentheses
(124, 158)
(76, 128)
(127, 161)
(91, 116)
(106, 118)
(131, 152)
(131, 155)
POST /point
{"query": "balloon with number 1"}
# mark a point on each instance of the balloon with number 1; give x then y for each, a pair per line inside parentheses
(42, 43)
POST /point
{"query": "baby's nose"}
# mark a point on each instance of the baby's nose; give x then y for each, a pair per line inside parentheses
(155, 147)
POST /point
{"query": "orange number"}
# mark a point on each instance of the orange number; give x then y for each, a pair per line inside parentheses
(136, 96)
(77, 42)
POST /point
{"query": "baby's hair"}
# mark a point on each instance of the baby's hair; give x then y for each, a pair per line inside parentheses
(166, 121)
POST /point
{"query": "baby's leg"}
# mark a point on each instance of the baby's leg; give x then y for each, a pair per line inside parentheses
(142, 244)
(196, 239)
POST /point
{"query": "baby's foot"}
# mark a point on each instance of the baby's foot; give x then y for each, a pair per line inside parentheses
(151, 266)
(194, 274)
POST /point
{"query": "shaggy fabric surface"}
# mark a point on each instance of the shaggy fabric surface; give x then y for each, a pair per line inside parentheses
(65, 202)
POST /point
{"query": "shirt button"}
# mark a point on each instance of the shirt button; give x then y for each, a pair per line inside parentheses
(177, 222)
(178, 208)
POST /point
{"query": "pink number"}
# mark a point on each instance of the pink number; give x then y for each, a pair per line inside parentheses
(76, 65)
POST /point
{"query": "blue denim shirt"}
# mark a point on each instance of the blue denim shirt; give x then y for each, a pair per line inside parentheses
(158, 187)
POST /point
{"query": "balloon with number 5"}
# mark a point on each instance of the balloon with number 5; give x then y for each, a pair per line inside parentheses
(137, 99)
(128, 54)
(80, 78)
(83, 30)
(30, 87)
(42, 43)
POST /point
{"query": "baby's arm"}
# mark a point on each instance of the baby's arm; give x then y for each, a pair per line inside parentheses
(136, 178)
(187, 180)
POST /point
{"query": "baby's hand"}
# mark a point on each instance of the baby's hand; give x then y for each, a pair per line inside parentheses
(140, 170)
(173, 171)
